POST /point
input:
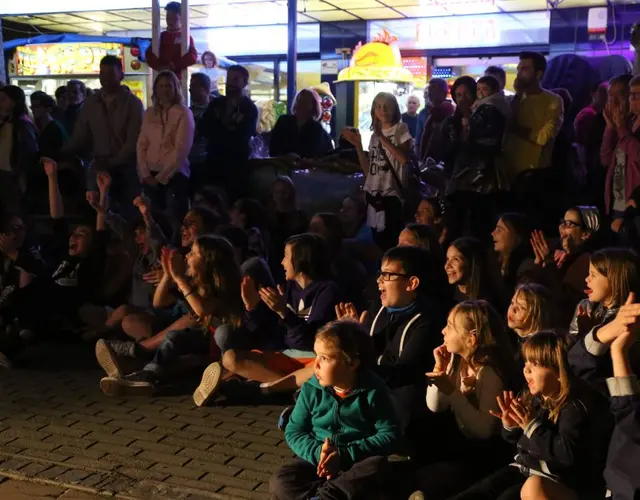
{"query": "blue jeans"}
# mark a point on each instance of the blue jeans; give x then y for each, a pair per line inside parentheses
(178, 343)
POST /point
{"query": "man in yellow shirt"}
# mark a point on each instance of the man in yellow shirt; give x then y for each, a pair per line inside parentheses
(537, 116)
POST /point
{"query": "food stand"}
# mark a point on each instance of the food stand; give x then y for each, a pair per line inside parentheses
(375, 67)
(48, 66)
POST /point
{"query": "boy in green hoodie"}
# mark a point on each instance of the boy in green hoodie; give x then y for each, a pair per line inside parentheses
(343, 425)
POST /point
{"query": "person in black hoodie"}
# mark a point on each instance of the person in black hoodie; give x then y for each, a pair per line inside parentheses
(621, 473)
(561, 429)
(405, 325)
(78, 272)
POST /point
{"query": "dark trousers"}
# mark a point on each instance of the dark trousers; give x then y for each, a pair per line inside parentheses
(394, 220)
(299, 481)
(504, 484)
(171, 199)
(178, 343)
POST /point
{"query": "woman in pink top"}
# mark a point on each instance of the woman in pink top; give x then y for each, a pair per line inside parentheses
(163, 149)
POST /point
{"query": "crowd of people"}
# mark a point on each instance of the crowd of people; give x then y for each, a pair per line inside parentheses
(424, 340)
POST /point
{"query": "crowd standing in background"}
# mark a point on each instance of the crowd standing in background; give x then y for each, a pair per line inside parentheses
(476, 343)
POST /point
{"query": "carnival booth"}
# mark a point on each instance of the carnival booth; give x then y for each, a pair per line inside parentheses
(375, 67)
(47, 66)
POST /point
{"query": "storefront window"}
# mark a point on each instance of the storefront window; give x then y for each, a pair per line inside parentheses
(261, 80)
(307, 75)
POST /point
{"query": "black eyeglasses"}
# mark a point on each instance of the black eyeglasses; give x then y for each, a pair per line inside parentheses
(385, 276)
(569, 224)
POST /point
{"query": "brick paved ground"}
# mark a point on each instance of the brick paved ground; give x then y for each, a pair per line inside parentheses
(57, 428)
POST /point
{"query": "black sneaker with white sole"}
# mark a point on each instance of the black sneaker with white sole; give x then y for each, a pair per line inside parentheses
(140, 383)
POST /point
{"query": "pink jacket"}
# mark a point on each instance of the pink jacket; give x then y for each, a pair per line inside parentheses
(624, 139)
(165, 142)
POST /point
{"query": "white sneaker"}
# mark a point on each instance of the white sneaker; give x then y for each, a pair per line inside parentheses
(209, 385)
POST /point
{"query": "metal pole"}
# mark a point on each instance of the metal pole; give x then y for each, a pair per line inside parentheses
(292, 51)
(186, 37)
(155, 42)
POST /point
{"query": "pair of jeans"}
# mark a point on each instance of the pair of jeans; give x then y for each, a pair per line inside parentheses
(299, 481)
(178, 343)
(171, 199)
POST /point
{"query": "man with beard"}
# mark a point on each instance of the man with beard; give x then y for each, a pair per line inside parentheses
(228, 125)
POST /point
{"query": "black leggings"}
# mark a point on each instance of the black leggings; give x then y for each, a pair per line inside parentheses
(504, 484)
(299, 481)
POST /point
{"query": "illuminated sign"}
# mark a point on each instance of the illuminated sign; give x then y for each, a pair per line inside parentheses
(63, 58)
(460, 32)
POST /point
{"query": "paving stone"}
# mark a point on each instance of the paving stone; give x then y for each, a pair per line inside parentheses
(207, 456)
(210, 486)
(255, 475)
(88, 463)
(244, 429)
(184, 443)
(36, 445)
(14, 432)
(104, 437)
(131, 425)
(115, 449)
(158, 422)
(52, 456)
(236, 452)
(93, 427)
(41, 419)
(137, 461)
(209, 431)
(81, 452)
(151, 435)
(274, 459)
(73, 476)
(79, 495)
(65, 431)
(163, 458)
(93, 480)
(253, 438)
(251, 495)
(223, 470)
(159, 447)
(34, 468)
(53, 472)
(67, 441)
(270, 449)
(138, 474)
(88, 417)
(14, 464)
(23, 490)
(243, 463)
(172, 470)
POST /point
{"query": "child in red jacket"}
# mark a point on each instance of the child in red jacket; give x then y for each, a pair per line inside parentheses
(171, 57)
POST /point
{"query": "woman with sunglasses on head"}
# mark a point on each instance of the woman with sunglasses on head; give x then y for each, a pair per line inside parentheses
(564, 270)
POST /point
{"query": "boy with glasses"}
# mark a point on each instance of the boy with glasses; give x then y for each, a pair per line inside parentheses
(405, 326)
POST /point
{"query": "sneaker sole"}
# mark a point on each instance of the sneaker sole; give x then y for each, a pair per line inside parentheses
(108, 360)
(118, 388)
(209, 384)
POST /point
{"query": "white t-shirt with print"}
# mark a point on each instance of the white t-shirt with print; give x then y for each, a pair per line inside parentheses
(380, 180)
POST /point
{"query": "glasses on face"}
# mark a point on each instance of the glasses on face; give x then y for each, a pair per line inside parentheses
(385, 276)
(568, 224)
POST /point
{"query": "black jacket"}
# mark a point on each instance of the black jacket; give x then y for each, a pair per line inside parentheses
(403, 344)
(590, 360)
(571, 451)
(308, 141)
(622, 473)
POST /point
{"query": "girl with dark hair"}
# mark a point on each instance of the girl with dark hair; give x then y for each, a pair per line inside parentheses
(386, 168)
(511, 242)
(431, 212)
(300, 134)
(472, 141)
(303, 305)
(18, 148)
(470, 271)
(209, 280)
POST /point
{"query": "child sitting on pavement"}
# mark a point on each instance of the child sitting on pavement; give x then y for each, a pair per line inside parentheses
(343, 425)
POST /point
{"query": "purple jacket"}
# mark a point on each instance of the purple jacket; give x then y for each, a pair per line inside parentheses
(628, 141)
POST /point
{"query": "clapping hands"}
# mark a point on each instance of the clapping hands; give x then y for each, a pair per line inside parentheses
(513, 411)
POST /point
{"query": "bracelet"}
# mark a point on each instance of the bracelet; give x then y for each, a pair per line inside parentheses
(186, 295)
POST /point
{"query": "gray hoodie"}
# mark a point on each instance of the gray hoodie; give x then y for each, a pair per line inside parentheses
(108, 129)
